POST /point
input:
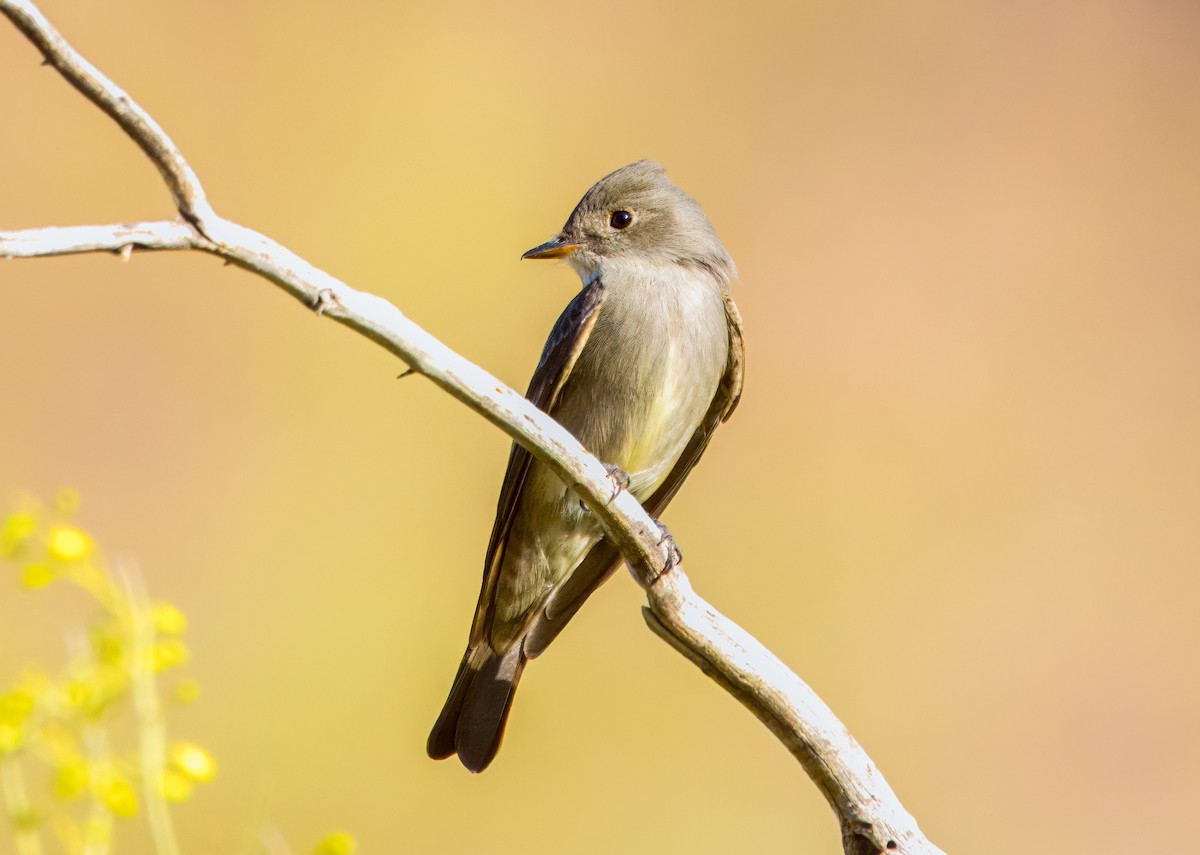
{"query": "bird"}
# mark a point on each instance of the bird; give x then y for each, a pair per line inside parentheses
(641, 367)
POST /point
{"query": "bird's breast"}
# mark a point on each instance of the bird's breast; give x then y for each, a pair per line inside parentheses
(648, 373)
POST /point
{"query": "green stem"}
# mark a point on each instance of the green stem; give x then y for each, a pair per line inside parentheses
(152, 730)
(20, 811)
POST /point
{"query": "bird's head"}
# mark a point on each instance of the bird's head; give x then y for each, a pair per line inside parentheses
(637, 214)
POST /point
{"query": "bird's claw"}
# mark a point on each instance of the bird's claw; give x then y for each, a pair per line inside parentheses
(674, 555)
(621, 480)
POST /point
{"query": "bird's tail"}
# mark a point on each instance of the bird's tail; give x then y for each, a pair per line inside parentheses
(472, 721)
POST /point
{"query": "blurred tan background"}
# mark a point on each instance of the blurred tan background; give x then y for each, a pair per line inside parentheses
(960, 496)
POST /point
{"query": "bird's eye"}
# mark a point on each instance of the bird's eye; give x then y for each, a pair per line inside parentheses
(620, 219)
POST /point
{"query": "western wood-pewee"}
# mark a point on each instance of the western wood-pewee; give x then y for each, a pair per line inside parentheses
(641, 367)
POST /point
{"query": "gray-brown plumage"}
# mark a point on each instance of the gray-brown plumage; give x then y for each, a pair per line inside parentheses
(641, 367)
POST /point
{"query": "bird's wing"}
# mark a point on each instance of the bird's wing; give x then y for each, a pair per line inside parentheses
(562, 349)
(604, 557)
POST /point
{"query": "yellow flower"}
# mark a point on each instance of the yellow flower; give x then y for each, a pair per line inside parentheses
(193, 761)
(16, 705)
(17, 529)
(71, 779)
(187, 691)
(108, 646)
(168, 620)
(119, 797)
(168, 653)
(338, 843)
(67, 543)
(176, 787)
(77, 694)
(37, 576)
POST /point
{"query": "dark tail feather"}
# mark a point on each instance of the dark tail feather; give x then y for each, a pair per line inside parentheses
(472, 721)
(440, 744)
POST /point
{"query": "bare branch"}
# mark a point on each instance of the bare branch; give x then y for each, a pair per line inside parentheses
(870, 814)
(871, 817)
(89, 80)
(72, 240)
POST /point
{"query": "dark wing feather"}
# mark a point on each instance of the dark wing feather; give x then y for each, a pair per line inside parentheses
(604, 557)
(562, 349)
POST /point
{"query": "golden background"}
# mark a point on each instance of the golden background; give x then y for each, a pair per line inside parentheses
(960, 496)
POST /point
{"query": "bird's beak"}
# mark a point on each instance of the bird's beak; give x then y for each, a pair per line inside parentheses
(557, 247)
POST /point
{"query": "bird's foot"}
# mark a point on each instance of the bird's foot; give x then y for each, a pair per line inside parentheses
(621, 480)
(674, 555)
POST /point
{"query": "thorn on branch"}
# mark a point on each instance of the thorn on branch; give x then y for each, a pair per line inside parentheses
(407, 373)
(125, 253)
(326, 301)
